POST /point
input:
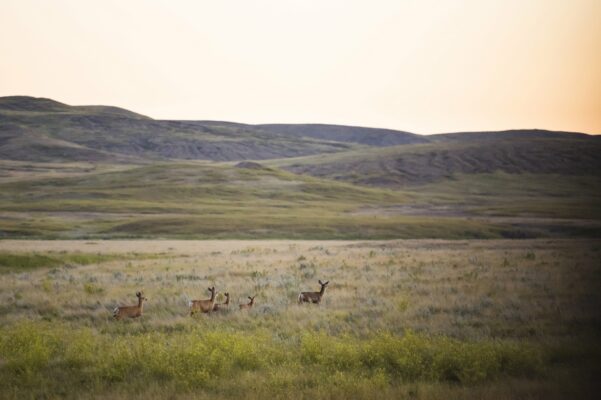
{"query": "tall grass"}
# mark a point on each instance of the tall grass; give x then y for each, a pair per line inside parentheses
(398, 319)
(43, 357)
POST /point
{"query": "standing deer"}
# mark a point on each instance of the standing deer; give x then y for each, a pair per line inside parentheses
(249, 305)
(130, 311)
(313, 297)
(223, 306)
(204, 306)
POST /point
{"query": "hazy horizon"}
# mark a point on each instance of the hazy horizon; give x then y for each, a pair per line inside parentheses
(425, 67)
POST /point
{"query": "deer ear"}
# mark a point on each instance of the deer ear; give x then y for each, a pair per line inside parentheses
(326, 282)
(320, 282)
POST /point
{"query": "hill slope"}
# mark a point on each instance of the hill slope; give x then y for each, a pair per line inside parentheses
(33, 105)
(352, 134)
(96, 171)
(249, 200)
(109, 133)
(37, 129)
(512, 134)
(394, 167)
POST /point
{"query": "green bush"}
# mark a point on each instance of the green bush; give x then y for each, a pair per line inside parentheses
(415, 357)
(34, 354)
(90, 288)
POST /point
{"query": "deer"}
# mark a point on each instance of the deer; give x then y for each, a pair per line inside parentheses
(130, 311)
(204, 306)
(313, 297)
(223, 306)
(249, 305)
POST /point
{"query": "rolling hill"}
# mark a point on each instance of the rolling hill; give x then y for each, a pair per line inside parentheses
(346, 134)
(514, 153)
(37, 129)
(105, 134)
(105, 172)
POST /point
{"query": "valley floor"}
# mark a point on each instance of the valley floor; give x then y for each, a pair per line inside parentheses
(426, 319)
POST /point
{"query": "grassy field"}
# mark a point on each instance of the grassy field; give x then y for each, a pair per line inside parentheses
(425, 319)
(196, 200)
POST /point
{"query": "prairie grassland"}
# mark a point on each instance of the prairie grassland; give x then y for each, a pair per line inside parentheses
(425, 319)
(194, 200)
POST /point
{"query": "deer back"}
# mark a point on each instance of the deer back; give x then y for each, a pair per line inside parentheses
(309, 297)
(203, 306)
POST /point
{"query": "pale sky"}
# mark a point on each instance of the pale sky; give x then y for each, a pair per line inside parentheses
(424, 66)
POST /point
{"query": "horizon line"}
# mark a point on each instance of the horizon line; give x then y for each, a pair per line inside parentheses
(351, 125)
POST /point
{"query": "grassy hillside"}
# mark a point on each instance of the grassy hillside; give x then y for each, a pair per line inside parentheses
(199, 200)
(354, 134)
(101, 133)
(511, 134)
(33, 129)
(97, 171)
(184, 199)
(110, 133)
(26, 105)
(400, 166)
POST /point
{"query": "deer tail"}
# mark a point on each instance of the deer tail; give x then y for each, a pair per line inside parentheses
(187, 299)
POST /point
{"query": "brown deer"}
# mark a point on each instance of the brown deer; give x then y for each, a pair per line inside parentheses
(204, 306)
(313, 297)
(130, 311)
(249, 305)
(223, 306)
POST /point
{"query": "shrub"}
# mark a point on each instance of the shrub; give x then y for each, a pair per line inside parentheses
(34, 354)
(415, 357)
(90, 288)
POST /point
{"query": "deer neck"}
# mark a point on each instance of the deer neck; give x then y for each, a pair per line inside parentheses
(322, 291)
(227, 300)
(140, 303)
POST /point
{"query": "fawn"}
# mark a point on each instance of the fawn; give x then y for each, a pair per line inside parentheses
(249, 305)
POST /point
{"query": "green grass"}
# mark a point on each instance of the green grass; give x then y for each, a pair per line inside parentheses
(195, 200)
(426, 319)
(19, 262)
(42, 359)
(541, 195)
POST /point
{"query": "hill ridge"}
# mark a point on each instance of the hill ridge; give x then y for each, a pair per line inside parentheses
(42, 129)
